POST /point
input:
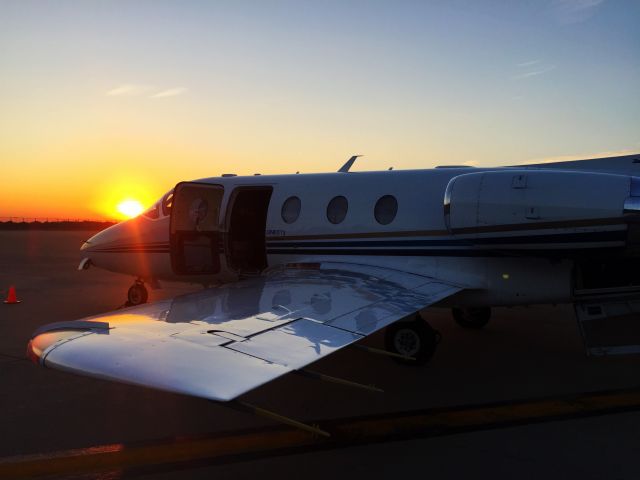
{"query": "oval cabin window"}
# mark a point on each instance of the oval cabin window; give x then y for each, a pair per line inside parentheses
(386, 209)
(337, 209)
(291, 209)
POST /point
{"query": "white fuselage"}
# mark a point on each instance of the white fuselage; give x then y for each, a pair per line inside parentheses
(510, 236)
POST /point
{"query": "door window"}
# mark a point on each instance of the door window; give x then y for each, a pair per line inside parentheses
(195, 236)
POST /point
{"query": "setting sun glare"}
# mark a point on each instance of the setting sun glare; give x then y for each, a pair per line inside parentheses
(130, 208)
(123, 195)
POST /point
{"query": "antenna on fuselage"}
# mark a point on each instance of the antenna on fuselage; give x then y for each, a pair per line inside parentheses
(345, 168)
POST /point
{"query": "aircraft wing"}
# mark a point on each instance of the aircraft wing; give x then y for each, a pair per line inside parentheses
(222, 342)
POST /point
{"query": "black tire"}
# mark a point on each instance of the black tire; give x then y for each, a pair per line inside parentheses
(416, 339)
(474, 317)
(137, 295)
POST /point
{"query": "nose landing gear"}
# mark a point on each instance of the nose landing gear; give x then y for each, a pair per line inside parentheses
(137, 294)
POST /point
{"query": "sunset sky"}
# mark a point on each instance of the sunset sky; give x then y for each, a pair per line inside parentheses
(106, 101)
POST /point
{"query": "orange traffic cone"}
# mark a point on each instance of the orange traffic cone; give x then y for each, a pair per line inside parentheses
(11, 297)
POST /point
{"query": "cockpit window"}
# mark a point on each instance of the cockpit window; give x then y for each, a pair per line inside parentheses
(152, 213)
(167, 201)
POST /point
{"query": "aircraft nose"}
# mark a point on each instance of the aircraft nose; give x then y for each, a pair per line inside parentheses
(91, 247)
(100, 239)
(85, 249)
(94, 241)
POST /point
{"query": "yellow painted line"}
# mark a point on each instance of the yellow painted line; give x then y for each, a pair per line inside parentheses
(118, 456)
(344, 432)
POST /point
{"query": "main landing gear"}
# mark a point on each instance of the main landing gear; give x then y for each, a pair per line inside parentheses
(137, 294)
(472, 317)
(414, 338)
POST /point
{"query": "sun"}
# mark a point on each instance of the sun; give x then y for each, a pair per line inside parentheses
(130, 208)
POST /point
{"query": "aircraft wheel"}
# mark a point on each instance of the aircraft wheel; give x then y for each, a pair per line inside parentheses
(474, 317)
(416, 339)
(137, 294)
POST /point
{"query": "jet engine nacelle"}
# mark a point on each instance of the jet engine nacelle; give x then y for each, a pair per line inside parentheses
(496, 198)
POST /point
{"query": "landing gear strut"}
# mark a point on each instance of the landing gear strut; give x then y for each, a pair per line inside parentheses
(473, 317)
(415, 338)
(137, 294)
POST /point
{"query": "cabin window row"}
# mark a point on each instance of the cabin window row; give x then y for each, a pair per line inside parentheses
(385, 210)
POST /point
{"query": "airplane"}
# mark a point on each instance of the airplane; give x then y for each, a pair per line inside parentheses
(299, 266)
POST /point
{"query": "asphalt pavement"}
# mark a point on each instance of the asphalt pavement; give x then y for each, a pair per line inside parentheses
(524, 353)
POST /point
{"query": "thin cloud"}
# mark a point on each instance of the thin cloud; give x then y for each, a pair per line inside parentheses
(533, 73)
(574, 11)
(129, 90)
(530, 63)
(170, 92)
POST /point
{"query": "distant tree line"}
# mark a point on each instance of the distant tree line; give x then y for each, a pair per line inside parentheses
(20, 223)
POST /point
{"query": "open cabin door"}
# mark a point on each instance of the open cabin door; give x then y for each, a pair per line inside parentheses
(246, 224)
(195, 229)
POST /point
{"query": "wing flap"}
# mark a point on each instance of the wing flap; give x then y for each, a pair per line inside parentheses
(296, 344)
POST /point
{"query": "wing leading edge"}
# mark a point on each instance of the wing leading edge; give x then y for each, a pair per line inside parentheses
(222, 342)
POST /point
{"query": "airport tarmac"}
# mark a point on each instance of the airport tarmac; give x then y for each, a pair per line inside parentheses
(524, 353)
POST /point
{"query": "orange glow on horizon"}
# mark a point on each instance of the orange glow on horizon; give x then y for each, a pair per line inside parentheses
(124, 196)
